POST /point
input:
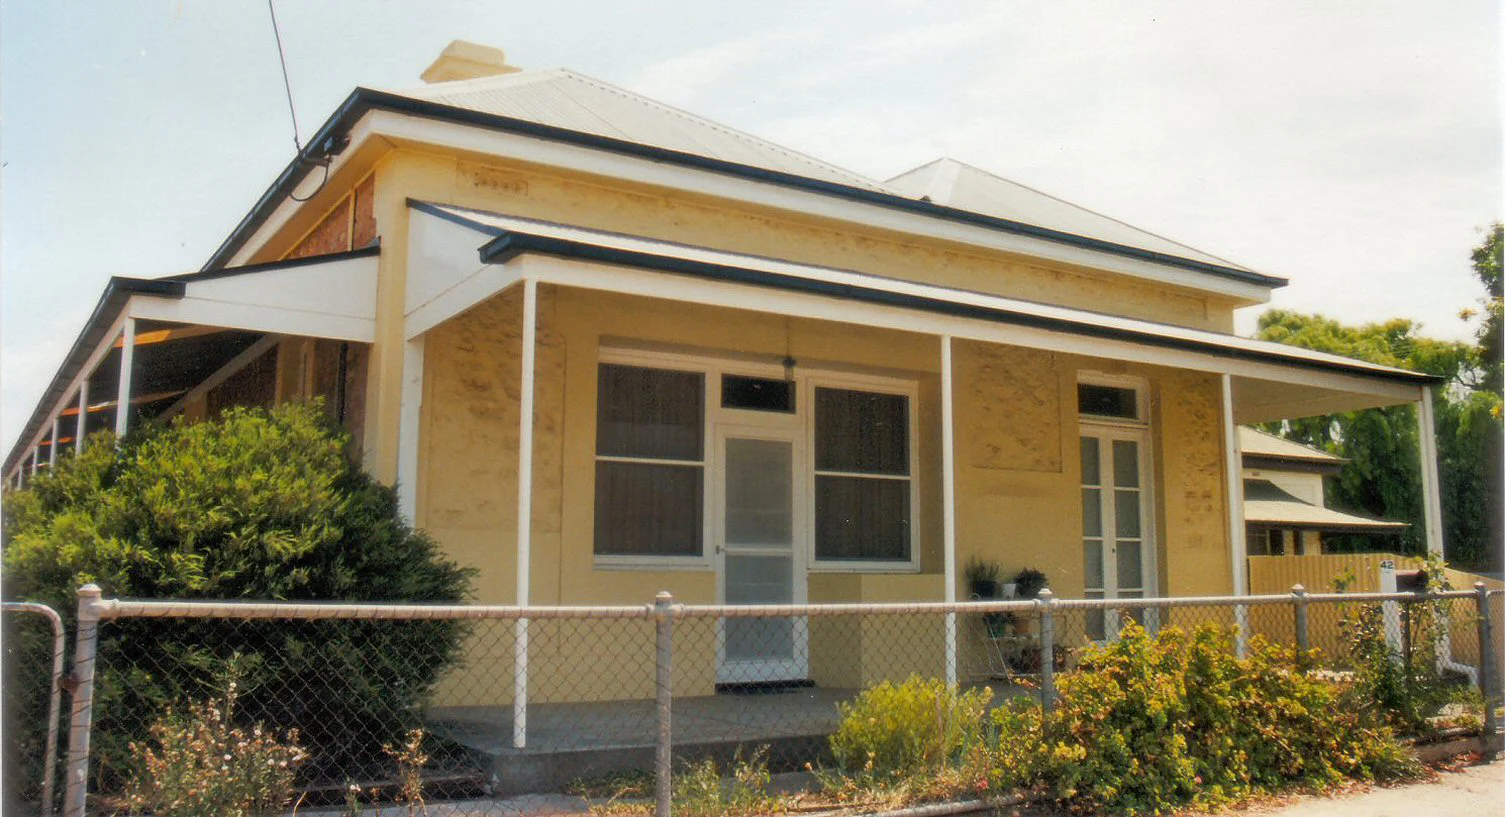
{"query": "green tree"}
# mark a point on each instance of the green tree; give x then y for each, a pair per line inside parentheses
(253, 505)
(1487, 265)
(1383, 475)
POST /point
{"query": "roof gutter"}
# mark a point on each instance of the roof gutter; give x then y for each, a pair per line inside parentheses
(509, 244)
(328, 140)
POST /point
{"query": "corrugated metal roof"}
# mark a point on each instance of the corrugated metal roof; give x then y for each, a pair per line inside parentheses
(565, 99)
(1266, 504)
(1253, 442)
(957, 184)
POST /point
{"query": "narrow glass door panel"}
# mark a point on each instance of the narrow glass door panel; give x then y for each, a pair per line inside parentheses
(758, 566)
(1114, 521)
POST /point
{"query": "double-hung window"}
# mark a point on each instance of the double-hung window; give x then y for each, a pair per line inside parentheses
(863, 484)
(650, 462)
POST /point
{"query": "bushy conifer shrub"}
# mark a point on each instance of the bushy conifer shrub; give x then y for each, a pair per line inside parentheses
(254, 505)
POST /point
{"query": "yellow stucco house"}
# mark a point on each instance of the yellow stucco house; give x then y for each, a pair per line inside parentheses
(704, 363)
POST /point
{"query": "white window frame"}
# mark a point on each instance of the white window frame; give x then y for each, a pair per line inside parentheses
(1143, 430)
(1139, 385)
(647, 360)
(807, 379)
(875, 384)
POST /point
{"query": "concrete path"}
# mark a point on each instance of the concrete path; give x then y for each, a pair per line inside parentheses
(1474, 791)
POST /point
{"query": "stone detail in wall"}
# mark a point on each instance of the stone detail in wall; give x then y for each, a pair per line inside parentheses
(1011, 416)
(474, 374)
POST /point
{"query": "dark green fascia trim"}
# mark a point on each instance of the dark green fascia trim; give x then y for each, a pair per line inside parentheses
(364, 100)
(508, 245)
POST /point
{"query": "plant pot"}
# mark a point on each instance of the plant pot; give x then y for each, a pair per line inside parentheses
(985, 589)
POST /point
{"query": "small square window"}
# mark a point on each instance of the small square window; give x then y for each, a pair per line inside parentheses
(757, 394)
(1107, 401)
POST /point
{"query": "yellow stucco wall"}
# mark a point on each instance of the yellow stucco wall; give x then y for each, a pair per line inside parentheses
(1018, 478)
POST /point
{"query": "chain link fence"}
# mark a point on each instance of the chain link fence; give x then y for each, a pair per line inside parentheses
(33, 675)
(504, 710)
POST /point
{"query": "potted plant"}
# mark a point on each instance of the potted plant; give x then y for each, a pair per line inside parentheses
(982, 584)
(982, 578)
(1027, 585)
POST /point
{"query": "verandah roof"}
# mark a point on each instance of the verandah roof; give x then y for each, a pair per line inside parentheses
(1273, 381)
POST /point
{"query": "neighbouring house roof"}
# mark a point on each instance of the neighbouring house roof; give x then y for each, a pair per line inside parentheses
(1267, 505)
(568, 107)
(513, 235)
(1263, 450)
(965, 187)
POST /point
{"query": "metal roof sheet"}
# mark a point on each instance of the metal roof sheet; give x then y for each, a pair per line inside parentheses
(1253, 442)
(1266, 504)
(956, 184)
(566, 99)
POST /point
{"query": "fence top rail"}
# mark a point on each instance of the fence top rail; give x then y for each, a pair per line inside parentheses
(312, 610)
(35, 607)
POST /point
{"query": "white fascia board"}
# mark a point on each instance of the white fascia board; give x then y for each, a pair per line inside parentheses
(335, 300)
(643, 283)
(445, 274)
(341, 288)
(255, 318)
(549, 153)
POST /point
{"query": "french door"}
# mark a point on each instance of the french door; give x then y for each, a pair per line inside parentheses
(1118, 545)
(758, 525)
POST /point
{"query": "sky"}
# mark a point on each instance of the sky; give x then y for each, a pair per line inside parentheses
(1352, 147)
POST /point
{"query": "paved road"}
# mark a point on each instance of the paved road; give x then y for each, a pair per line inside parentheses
(1476, 791)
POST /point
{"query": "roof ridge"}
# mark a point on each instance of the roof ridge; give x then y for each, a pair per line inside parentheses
(715, 125)
(990, 174)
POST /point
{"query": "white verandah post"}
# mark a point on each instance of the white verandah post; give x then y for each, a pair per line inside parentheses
(1233, 462)
(948, 501)
(1431, 489)
(524, 513)
(83, 416)
(127, 361)
(57, 432)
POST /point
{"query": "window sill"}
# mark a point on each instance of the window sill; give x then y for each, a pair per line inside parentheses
(864, 567)
(652, 563)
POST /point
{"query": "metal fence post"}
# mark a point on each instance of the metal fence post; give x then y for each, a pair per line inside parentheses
(1487, 681)
(1046, 601)
(86, 641)
(663, 609)
(54, 697)
(1303, 632)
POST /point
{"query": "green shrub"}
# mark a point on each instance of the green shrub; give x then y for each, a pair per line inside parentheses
(1149, 725)
(1404, 689)
(919, 726)
(253, 505)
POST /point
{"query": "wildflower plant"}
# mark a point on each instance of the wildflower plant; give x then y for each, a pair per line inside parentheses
(197, 762)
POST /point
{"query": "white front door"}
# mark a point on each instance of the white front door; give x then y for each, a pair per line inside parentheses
(1117, 540)
(758, 524)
